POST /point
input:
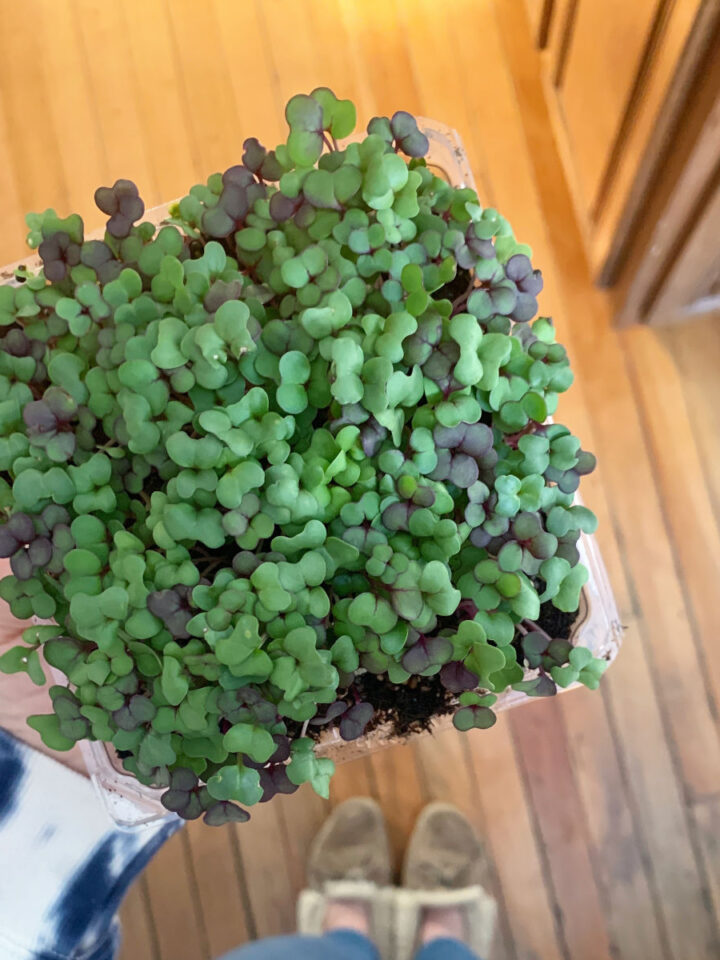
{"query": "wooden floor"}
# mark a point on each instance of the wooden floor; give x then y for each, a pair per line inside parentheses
(601, 811)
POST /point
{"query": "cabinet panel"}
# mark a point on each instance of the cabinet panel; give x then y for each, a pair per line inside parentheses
(673, 272)
(536, 10)
(540, 13)
(692, 288)
(618, 76)
(606, 50)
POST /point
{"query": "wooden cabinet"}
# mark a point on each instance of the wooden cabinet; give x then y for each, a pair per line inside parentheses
(622, 78)
(598, 67)
(672, 271)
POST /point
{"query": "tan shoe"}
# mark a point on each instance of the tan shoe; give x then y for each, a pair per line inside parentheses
(444, 852)
(445, 867)
(352, 845)
(350, 860)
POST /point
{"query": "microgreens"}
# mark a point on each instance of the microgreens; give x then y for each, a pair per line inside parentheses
(298, 432)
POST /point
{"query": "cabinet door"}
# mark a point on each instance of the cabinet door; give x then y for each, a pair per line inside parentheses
(617, 72)
(692, 286)
(604, 55)
(673, 272)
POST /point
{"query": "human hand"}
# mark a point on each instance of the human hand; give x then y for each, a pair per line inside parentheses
(20, 697)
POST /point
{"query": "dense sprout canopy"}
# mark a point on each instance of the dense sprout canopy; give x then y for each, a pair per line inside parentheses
(298, 433)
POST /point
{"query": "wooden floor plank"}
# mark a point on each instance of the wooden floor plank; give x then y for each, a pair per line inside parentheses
(662, 820)
(35, 155)
(217, 874)
(205, 56)
(707, 816)
(248, 70)
(500, 126)
(657, 383)
(343, 71)
(12, 214)
(376, 39)
(172, 154)
(173, 900)
(354, 779)
(513, 844)
(627, 719)
(620, 441)
(269, 887)
(399, 792)
(442, 92)
(541, 743)
(617, 849)
(74, 118)
(296, 67)
(115, 96)
(138, 934)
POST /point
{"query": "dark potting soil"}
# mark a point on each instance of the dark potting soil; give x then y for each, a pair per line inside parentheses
(456, 287)
(556, 622)
(408, 708)
(411, 707)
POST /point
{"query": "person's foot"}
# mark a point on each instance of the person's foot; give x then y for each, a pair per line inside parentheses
(347, 915)
(444, 853)
(351, 845)
(442, 922)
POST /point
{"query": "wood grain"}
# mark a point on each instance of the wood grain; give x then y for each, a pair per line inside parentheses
(106, 58)
(35, 161)
(599, 812)
(172, 154)
(615, 845)
(220, 886)
(398, 788)
(514, 845)
(546, 768)
(658, 386)
(211, 107)
(268, 886)
(12, 239)
(353, 779)
(173, 899)
(139, 939)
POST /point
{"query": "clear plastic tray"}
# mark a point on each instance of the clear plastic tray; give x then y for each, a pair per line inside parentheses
(131, 804)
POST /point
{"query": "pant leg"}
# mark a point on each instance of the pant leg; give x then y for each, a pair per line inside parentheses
(444, 948)
(337, 945)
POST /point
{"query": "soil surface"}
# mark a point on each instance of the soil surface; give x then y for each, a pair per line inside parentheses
(556, 622)
(408, 708)
(411, 708)
(456, 287)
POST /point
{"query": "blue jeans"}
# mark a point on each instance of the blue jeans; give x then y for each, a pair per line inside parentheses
(340, 945)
